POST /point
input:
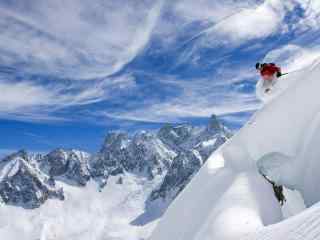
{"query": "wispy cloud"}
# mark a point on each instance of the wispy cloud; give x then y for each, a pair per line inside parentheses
(311, 16)
(197, 98)
(36, 101)
(232, 23)
(294, 57)
(63, 42)
(212, 11)
(75, 39)
(256, 22)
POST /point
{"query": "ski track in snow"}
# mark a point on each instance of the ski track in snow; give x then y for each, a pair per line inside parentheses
(229, 200)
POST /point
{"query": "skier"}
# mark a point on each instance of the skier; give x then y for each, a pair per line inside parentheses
(269, 73)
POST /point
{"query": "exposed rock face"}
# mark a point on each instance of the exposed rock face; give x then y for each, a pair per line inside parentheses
(171, 157)
(179, 174)
(175, 136)
(68, 165)
(110, 157)
(22, 184)
(197, 146)
(142, 154)
(149, 155)
(176, 152)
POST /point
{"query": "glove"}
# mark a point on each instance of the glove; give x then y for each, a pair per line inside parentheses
(279, 74)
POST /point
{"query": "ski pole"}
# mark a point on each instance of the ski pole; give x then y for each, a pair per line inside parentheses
(284, 74)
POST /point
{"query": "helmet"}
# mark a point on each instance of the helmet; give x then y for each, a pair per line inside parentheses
(258, 65)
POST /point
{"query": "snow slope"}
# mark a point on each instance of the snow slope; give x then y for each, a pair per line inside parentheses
(228, 199)
(85, 214)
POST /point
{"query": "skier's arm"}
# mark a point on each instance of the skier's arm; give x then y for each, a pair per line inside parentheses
(279, 74)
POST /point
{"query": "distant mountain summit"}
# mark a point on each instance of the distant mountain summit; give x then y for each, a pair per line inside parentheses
(70, 166)
(176, 136)
(143, 154)
(22, 184)
(197, 145)
(171, 156)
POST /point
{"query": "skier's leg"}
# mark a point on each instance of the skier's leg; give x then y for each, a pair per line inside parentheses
(268, 85)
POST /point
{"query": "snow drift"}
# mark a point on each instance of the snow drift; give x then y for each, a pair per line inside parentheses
(228, 199)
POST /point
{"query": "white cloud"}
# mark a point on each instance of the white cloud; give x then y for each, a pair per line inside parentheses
(82, 39)
(311, 17)
(208, 10)
(204, 12)
(252, 23)
(177, 110)
(233, 22)
(78, 39)
(198, 98)
(293, 57)
(28, 100)
(22, 95)
(258, 21)
(224, 23)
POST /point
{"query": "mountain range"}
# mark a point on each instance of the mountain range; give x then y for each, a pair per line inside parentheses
(153, 167)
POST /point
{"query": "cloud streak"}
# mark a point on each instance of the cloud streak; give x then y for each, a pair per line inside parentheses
(63, 56)
(77, 39)
(29, 100)
(197, 98)
(293, 57)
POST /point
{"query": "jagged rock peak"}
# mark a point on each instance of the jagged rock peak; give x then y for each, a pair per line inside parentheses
(68, 165)
(115, 138)
(175, 135)
(21, 153)
(143, 154)
(193, 151)
(214, 124)
(23, 185)
(184, 166)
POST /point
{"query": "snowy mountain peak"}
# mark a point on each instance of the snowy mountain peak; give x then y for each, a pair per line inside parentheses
(214, 124)
(115, 140)
(174, 136)
(22, 184)
(144, 153)
(21, 153)
(142, 137)
(137, 177)
(67, 165)
(193, 147)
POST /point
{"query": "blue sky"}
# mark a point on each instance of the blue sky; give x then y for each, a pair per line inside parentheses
(72, 70)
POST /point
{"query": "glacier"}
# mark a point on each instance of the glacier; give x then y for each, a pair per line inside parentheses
(229, 199)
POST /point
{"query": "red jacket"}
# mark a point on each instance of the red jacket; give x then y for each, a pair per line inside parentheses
(269, 70)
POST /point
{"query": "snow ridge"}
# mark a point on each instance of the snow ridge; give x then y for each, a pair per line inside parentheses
(228, 198)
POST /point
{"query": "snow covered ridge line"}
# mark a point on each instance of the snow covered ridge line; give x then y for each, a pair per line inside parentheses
(229, 199)
(173, 154)
(23, 185)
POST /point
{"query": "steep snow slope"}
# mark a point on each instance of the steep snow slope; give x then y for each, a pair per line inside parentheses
(227, 199)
